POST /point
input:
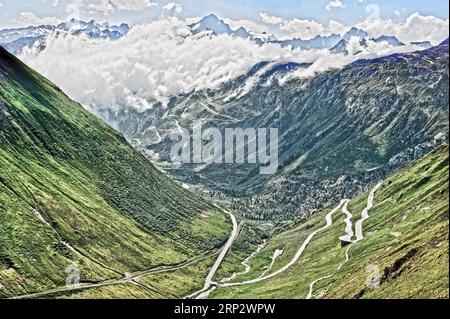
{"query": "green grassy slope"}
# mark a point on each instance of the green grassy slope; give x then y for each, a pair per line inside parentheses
(73, 191)
(406, 241)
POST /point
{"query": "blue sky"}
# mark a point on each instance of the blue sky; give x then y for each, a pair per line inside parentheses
(352, 12)
(314, 9)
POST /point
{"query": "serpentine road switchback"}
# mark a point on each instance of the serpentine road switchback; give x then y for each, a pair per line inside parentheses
(210, 285)
(349, 236)
(329, 222)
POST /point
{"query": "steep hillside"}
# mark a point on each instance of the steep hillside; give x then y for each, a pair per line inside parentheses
(339, 130)
(72, 191)
(404, 252)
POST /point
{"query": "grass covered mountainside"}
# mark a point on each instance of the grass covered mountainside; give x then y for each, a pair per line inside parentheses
(72, 191)
(406, 245)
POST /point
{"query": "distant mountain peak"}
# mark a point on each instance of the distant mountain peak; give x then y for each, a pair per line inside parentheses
(241, 33)
(342, 47)
(211, 23)
(355, 32)
(392, 40)
(423, 44)
(71, 24)
(217, 26)
(212, 16)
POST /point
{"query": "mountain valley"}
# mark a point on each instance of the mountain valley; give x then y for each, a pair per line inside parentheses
(94, 206)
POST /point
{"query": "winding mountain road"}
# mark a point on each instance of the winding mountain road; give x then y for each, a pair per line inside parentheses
(245, 264)
(329, 222)
(348, 224)
(128, 278)
(134, 277)
(348, 237)
(210, 285)
(208, 281)
(276, 254)
(343, 206)
(365, 214)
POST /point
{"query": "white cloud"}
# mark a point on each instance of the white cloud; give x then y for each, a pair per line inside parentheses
(29, 18)
(154, 61)
(269, 19)
(160, 59)
(323, 60)
(300, 28)
(337, 27)
(172, 8)
(53, 3)
(335, 4)
(109, 6)
(304, 29)
(415, 28)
